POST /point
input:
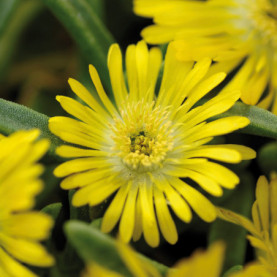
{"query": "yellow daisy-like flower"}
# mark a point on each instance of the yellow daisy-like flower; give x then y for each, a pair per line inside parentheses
(21, 228)
(231, 32)
(199, 264)
(143, 145)
(263, 229)
(95, 270)
(253, 270)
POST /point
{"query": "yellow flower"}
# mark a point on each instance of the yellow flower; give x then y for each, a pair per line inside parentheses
(253, 269)
(231, 32)
(263, 229)
(143, 145)
(197, 265)
(95, 270)
(21, 228)
(201, 263)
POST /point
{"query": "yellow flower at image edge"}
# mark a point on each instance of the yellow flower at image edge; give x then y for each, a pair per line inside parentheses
(263, 228)
(233, 33)
(21, 228)
(143, 145)
(198, 264)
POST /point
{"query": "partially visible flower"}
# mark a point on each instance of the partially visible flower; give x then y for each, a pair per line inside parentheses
(231, 32)
(197, 265)
(95, 270)
(201, 263)
(263, 228)
(141, 147)
(20, 228)
(254, 269)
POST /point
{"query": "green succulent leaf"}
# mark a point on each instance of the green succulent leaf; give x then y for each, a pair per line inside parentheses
(53, 210)
(86, 28)
(263, 123)
(14, 117)
(92, 245)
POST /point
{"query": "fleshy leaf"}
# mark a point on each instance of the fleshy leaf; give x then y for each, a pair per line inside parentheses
(14, 117)
(262, 122)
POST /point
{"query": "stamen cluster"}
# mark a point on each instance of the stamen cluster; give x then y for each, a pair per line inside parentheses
(142, 136)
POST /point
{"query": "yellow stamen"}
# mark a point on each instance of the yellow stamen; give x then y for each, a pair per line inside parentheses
(142, 136)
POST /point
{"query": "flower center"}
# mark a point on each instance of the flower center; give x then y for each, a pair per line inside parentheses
(263, 16)
(142, 136)
(141, 144)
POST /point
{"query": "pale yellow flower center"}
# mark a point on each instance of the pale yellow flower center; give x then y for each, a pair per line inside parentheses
(142, 136)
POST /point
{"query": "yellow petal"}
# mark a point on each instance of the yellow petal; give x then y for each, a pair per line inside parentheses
(85, 178)
(273, 201)
(165, 220)
(201, 262)
(87, 97)
(216, 152)
(203, 88)
(220, 127)
(116, 74)
(127, 222)
(257, 243)
(26, 251)
(84, 113)
(200, 204)
(176, 202)
(149, 222)
(138, 220)
(29, 225)
(95, 193)
(100, 90)
(79, 165)
(221, 174)
(256, 216)
(237, 219)
(114, 211)
(10, 267)
(208, 184)
(76, 152)
(262, 196)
